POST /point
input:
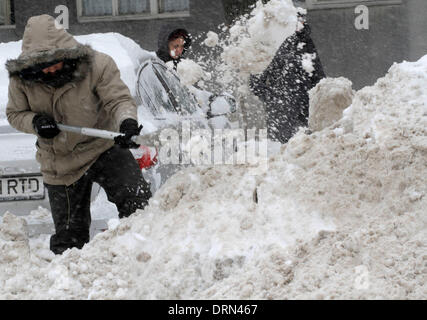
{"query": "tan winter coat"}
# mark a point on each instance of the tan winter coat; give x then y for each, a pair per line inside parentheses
(95, 98)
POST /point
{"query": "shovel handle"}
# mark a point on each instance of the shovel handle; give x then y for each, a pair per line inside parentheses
(91, 132)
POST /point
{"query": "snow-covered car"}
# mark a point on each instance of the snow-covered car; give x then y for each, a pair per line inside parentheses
(21, 183)
(159, 89)
(165, 102)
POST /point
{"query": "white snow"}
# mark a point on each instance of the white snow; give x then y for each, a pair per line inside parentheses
(328, 100)
(212, 39)
(330, 212)
(308, 62)
(190, 72)
(252, 41)
(339, 214)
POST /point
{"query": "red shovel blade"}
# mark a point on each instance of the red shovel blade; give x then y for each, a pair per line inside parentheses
(145, 157)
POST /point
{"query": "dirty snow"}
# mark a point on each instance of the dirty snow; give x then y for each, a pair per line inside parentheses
(328, 100)
(335, 216)
(339, 214)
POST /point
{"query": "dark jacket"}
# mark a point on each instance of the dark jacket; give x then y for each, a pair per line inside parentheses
(284, 86)
(165, 34)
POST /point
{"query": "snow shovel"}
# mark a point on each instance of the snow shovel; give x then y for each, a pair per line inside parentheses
(143, 155)
(146, 140)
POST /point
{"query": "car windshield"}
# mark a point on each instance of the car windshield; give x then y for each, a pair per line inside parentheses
(161, 91)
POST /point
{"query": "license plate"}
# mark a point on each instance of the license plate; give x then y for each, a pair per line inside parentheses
(21, 188)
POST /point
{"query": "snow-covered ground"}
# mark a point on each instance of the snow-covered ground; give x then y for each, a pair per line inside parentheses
(340, 213)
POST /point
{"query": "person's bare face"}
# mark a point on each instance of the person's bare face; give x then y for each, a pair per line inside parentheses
(176, 47)
(53, 68)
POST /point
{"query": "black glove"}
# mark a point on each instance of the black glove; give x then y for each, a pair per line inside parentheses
(45, 126)
(130, 128)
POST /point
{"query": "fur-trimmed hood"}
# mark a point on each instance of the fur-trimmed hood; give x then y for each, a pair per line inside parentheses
(44, 42)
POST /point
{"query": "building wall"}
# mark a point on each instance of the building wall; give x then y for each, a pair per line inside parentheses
(417, 20)
(396, 32)
(359, 55)
(144, 32)
(8, 34)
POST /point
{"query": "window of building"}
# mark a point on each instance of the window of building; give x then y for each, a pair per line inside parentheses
(326, 4)
(7, 13)
(90, 10)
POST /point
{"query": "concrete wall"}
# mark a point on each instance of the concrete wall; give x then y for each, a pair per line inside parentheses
(359, 55)
(8, 34)
(205, 15)
(417, 35)
(396, 33)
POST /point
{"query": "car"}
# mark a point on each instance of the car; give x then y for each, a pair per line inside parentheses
(163, 102)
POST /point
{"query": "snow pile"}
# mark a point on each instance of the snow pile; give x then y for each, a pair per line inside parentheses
(328, 99)
(375, 116)
(340, 213)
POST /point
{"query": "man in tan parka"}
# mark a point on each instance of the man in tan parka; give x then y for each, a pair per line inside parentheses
(58, 80)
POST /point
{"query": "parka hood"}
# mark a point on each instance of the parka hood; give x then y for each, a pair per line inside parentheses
(164, 36)
(44, 42)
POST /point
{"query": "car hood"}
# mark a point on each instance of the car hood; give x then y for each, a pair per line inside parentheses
(18, 156)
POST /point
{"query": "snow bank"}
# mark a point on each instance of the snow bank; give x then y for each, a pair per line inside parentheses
(341, 213)
(328, 99)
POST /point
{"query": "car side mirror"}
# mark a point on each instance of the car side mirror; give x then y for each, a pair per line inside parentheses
(221, 105)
